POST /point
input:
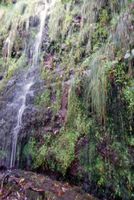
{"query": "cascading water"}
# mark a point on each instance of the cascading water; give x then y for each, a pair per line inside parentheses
(30, 77)
(16, 130)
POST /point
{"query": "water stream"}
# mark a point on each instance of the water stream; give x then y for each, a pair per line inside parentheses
(29, 77)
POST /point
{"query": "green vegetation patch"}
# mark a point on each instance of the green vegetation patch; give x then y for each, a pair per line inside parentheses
(56, 153)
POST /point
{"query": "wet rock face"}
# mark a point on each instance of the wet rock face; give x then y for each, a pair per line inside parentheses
(38, 121)
(8, 116)
(9, 104)
(17, 108)
(14, 1)
(28, 185)
(1, 77)
(34, 21)
(6, 123)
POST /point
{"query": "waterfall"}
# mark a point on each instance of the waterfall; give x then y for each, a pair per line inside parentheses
(29, 79)
(16, 130)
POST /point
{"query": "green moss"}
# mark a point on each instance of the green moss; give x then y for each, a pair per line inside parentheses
(43, 150)
(98, 102)
(11, 67)
(56, 105)
(57, 153)
(76, 115)
(15, 64)
(43, 99)
(104, 17)
(108, 164)
(3, 154)
(30, 149)
(99, 37)
(2, 65)
(64, 150)
(129, 96)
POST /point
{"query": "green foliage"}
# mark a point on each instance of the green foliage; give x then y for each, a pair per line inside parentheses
(64, 150)
(56, 20)
(104, 17)
(30, 150)
(56, 105)
(65, 1)
(95, 92)
(40, 158)
(120, 75)
(46, 75)
(57, 153)
(99, 37)
(131, 141)
(129, 96)
(3, 154)
(109, 164)
(15, 64)
(43, 99)
(76, 116)
(78, 37)
(2, 67)
(11, 67)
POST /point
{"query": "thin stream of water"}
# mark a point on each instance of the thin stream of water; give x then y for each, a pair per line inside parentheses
(29, 78)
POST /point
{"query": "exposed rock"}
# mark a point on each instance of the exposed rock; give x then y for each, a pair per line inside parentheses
(27, 185)
(84, 52)
(34, 21)
(1, 77)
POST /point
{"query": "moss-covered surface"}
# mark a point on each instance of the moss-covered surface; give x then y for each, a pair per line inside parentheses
(22, 184)
(16, 36)
(100, 98)
(88, 95)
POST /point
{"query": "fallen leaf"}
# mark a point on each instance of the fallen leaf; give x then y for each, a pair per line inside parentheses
(22, 180)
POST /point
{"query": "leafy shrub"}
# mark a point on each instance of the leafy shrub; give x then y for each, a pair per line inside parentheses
(57, 153)
(129, 96)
